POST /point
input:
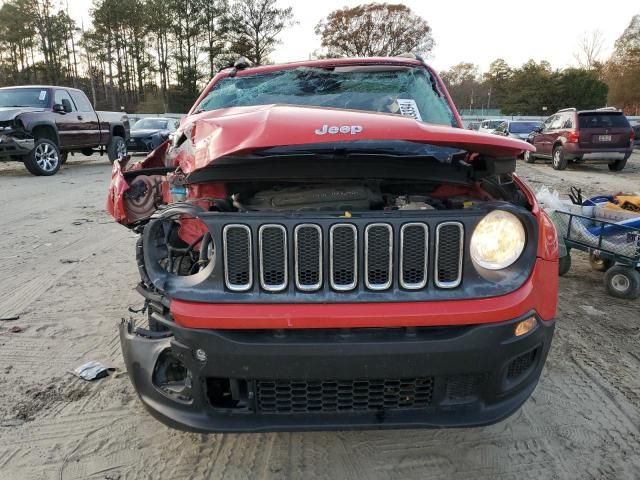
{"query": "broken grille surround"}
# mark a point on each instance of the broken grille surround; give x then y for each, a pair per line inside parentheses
(208, 285)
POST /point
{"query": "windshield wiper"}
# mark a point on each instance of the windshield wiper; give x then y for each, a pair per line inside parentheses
(15, 105)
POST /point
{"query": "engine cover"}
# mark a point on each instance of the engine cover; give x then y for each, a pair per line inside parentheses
(316, 198)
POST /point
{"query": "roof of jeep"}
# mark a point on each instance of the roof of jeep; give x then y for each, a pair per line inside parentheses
(329, 62)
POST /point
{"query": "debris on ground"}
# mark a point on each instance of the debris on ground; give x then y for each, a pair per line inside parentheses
(42, 397)
(10, 319)
(15, 329)
(92, 371)
(81, 221)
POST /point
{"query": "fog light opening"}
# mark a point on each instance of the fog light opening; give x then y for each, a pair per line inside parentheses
(172, 377)
(185, 245)
(525, 326)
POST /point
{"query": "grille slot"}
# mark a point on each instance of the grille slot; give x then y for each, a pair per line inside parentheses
(343, 257)
(378, 248)
(414, 245)
(308, 257)
(320, 396)
(273, 257)
(238, 262)
(449, 251)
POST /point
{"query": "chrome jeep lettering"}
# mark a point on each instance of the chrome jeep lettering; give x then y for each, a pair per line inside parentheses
(334, 129)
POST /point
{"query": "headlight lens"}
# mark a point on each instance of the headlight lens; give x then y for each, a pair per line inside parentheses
(498, 240)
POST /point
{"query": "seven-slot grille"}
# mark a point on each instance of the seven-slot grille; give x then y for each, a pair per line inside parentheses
(342, 248)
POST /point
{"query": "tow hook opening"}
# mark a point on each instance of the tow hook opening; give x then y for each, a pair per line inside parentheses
(172, 377)
(228, 393)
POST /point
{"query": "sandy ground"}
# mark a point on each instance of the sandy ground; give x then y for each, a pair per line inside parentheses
(67, 270)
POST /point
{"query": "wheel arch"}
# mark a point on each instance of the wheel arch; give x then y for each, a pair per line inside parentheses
(118, 130)
(45, 130)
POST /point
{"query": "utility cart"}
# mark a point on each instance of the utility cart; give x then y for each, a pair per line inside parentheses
(613, 248)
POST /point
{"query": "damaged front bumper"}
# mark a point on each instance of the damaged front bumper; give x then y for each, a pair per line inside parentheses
(283, 380)
(12, 146)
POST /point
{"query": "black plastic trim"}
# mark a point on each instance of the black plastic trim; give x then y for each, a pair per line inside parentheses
(482, 351)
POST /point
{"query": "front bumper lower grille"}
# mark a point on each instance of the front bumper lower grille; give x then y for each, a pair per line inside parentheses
(308, 396)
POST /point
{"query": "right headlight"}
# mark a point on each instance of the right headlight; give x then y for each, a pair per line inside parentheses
(498, 240)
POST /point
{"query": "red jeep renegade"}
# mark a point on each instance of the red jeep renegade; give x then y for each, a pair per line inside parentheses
(324, 246)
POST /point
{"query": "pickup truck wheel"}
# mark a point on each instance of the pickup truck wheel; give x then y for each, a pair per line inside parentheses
(617, 165)
(116, 149)
(44, 159)
(559, 161)
(528, 157)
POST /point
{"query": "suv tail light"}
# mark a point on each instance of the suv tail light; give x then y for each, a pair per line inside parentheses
(573, 137)
(632, 136)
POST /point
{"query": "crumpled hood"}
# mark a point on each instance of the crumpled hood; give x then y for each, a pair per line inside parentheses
(239, 130)
(9, 113)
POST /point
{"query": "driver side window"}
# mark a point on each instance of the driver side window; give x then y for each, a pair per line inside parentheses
(61, 95)
(547, 123)
(557, 122)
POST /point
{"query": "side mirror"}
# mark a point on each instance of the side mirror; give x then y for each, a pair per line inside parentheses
(66, 104)
(58, 108)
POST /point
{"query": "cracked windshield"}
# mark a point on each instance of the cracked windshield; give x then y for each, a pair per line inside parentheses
(406, 91)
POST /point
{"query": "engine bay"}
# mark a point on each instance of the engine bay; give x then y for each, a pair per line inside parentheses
(357, 197)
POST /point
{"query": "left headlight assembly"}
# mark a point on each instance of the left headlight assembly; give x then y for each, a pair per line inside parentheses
(498, 240)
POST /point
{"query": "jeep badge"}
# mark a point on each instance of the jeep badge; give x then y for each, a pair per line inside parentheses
(333, 129)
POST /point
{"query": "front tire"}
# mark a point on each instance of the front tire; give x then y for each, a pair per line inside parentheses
(564, 264)
(622, 282)
(116, 149)
(559, 161)
(528, 157)
(44, 159)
